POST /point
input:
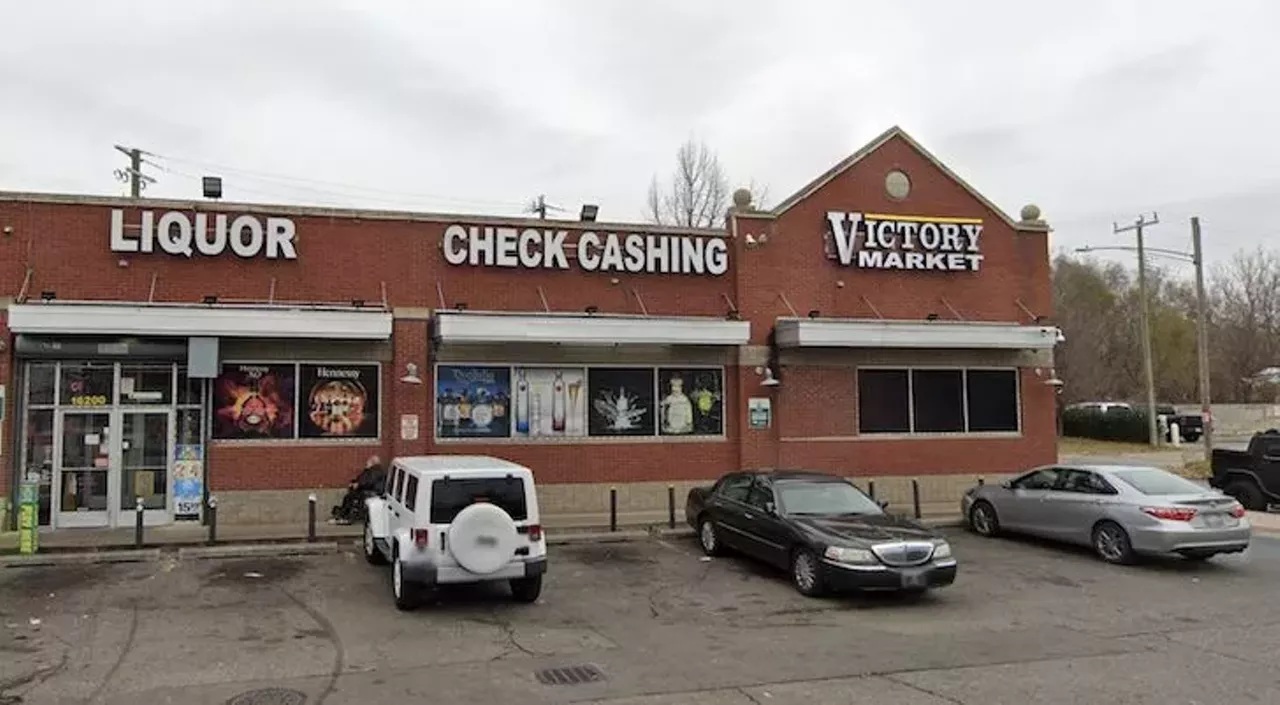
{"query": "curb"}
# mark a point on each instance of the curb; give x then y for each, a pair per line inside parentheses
(232, 550)
(88, 558)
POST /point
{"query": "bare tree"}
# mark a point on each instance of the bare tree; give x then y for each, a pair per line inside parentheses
(697, 194)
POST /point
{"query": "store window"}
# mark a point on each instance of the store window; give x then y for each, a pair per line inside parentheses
(544, 402)
(953, 400)
(89, 385)
(146, 384)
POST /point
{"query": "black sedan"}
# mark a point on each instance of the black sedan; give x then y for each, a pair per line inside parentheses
(822, 528)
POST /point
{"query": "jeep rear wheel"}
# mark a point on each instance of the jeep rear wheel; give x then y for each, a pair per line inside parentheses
(526, 590)
(1247, 493)
(404, 591)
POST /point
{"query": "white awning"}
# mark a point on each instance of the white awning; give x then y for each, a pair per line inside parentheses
(214, 320)
(481, 327)
(874, 333)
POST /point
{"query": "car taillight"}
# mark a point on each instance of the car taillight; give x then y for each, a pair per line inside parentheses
(1237, 511)
(1171, 513)
(535, 532)
(420, 538)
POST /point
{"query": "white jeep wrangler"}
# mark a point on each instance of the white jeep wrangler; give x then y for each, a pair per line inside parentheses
(446, 519)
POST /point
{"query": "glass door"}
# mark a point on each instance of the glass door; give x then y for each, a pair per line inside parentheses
(84, 466)
(144, 447)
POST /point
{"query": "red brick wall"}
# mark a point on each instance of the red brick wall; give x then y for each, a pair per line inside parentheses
(345, 256)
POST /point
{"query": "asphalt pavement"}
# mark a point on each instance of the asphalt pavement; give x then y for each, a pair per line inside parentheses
(1026, 623)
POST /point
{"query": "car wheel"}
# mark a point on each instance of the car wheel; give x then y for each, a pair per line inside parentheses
(371, 552)
(709, 537)
(983, 519)
(1111, 543)
(1246, 492)
(404, 592)
(806, 573)
(526, 590)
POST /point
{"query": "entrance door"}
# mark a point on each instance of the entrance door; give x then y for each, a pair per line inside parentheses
(84, 468)
(144, 441)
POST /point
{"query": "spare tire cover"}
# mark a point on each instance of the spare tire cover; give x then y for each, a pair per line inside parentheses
(482, 538)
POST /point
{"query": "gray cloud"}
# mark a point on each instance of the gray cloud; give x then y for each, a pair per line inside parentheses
(1094, 110)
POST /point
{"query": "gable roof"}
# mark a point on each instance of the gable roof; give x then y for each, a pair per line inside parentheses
(850, 161)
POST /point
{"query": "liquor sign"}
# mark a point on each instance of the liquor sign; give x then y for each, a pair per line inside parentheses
(182, 235)
(596, 252)
(877, 241)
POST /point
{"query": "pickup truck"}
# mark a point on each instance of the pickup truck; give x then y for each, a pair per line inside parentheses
(1190, 426)
(1252, 475)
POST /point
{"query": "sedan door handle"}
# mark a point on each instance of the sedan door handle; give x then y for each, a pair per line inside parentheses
(748, 515)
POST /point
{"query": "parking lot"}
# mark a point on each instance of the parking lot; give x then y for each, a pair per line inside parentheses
(1025, 623)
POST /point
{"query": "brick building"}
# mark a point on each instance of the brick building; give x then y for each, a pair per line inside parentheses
(885, 322)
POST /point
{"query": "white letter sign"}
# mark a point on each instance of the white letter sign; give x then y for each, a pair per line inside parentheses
(876, 241)
(186, 235)
(634, 253)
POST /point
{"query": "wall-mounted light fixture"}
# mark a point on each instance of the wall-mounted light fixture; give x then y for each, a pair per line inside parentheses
(460, 306)
(411, 374)
(931, 317)
(815, 313)
(210, 299)
(48, 295)
(357, 303)
(769, 380)
(592, 310)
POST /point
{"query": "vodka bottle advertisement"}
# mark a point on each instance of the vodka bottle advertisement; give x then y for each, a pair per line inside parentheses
(559, 395)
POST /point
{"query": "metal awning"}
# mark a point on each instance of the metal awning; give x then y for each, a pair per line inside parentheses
(481, 327)
(876, 333)
(212, 320)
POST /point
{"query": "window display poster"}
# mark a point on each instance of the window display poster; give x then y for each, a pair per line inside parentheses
(188, 481)
(621, 401)
(253, 401)
(549, 402)
(341, 401)
(473, 401)
(690, 402)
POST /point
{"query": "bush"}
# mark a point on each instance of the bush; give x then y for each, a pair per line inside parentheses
(1126, 425)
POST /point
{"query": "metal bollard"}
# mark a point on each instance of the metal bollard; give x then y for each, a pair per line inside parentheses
(613, 509)
(213, 520)
(871, 488)
(311, 518)
(137, 525)
(980, 481)
(915, 496)
(671, 506)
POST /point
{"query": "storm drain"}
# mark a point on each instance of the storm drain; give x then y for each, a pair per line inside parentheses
(570, 675)
(270, 696)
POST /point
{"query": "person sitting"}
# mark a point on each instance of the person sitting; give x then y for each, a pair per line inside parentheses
(369, 482)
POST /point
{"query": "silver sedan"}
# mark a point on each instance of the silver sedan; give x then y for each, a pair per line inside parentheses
(1120, 511)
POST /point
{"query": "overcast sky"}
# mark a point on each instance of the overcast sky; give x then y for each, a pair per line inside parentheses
(1096, 111)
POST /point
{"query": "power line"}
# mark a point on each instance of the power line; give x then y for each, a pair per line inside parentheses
(337, 188)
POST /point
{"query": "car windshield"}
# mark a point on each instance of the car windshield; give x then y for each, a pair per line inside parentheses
(1153, 481)
(824, 498)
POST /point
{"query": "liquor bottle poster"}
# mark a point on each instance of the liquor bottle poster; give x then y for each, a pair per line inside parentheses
(549, 402)
(621, 401)
(338, 401)
(691, 401)
(473, 401)
(254, 401)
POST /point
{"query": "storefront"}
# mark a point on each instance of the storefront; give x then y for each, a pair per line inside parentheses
(886, 322)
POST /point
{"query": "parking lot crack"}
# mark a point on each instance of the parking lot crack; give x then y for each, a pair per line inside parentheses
(922, 689)
(339, 652)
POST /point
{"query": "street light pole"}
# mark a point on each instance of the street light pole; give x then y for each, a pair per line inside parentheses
(1149, 372)
(1202, 342)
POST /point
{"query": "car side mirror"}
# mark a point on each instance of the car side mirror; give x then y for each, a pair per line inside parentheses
(1007, 484)
(771, 509)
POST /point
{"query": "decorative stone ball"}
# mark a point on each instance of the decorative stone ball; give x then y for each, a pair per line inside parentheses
(742, 198)
(897, 184)
(1031, 212)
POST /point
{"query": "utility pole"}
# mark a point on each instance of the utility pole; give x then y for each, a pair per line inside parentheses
(1149, 372)
(1202, 341)
(137, 180)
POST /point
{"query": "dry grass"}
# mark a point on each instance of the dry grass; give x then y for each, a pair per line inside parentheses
(1089, 446)
(1196, 470)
